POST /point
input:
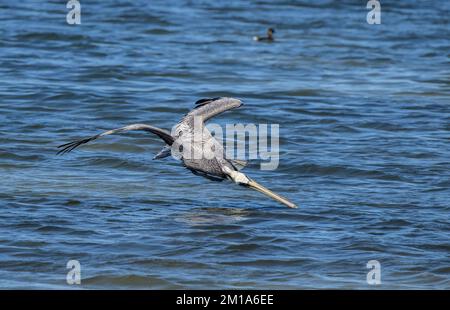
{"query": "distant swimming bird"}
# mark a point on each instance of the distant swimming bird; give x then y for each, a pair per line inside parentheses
(216, 168)
(269, 36)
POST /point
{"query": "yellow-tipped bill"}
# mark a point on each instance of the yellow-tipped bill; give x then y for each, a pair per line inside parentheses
(262, 189)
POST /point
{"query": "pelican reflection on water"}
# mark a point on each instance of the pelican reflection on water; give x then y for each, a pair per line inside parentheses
(215, 168)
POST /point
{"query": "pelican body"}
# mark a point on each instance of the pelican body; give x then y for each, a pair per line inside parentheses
(186, 139)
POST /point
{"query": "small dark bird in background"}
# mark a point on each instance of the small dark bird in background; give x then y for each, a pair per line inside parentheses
(269, 36)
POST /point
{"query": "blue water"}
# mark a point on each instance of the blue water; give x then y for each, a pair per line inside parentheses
(364, 123)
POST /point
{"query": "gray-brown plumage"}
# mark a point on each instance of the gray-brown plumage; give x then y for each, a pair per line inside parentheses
(194, 145)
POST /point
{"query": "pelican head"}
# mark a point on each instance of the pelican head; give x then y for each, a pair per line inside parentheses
(242, 179)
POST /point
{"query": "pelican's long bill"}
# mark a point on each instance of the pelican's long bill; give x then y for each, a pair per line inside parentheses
(262, 189)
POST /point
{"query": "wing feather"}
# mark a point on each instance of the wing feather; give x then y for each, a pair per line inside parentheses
(208, 108)
(163, 134)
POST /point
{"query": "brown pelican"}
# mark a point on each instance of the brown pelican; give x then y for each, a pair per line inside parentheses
(269, 36)
(184, 140)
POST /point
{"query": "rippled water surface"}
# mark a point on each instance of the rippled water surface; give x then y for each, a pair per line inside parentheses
(364, 123)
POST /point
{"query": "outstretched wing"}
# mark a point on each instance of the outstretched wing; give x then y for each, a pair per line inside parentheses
(207, 108)
(163, 134)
